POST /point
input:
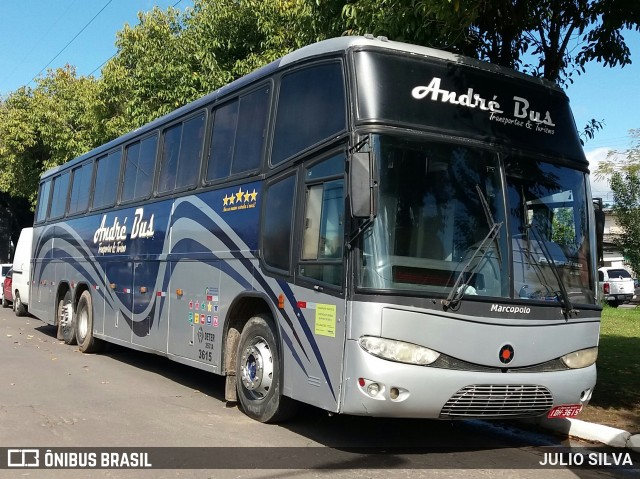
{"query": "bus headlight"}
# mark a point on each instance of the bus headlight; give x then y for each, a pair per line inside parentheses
(398, 350)
(580, 359)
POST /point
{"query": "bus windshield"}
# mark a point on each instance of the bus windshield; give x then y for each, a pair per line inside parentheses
(437, 204)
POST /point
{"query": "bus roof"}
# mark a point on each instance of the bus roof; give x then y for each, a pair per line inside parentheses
(325, 47)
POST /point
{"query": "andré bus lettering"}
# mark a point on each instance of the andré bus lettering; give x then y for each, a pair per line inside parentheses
(523, 116)
(110, 237)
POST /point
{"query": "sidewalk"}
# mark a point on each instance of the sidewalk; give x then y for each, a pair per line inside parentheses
(592, 432)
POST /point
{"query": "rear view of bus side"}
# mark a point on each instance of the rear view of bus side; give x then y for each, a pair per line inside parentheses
(370, 227)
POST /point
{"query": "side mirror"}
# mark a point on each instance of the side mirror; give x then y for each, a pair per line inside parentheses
(362, 185)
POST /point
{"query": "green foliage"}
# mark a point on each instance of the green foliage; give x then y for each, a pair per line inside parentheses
(619, 362)
(626, 193)
(545, 38)
(623, 171)
(44, 127)
(564, 228)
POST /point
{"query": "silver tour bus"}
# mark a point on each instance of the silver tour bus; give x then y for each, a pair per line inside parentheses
(369, 227)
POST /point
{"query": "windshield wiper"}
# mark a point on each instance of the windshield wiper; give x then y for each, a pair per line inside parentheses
(567, 308)
(460, 287)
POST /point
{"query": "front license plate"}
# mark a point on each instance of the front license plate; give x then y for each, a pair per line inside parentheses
(566, 410)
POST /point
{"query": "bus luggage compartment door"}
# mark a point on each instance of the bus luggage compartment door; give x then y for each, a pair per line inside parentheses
(119, 281)
(194, 327)
(150, 319)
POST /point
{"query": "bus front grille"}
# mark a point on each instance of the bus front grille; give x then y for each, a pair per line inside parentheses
(498, 401)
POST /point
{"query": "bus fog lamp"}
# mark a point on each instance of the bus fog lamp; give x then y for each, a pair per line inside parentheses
(580, 359)
(399, 351)
(394, 393)
(373, 389)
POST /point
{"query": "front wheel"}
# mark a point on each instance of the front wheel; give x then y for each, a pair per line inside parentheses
(18, 306)
(84, 325)
(66, 327)
(259, 368)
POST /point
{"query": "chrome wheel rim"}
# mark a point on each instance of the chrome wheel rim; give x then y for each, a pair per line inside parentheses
(83, 324)
(257, 368)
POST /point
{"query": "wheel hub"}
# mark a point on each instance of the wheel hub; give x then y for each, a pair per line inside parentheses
(257, 368)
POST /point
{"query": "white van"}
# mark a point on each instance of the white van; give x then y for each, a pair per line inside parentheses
(22, 272)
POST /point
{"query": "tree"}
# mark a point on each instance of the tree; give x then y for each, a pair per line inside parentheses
(623, 171)
(626, 193)
(171, 58)
(44, 127)
(552, 39)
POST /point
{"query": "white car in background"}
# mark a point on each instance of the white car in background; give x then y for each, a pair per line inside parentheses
(616, 285)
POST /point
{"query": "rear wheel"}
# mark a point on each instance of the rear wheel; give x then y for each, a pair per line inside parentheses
(5, 303)
(613, 304)
(259, 370)
(18, 306)
(66, 328)
(84, 325)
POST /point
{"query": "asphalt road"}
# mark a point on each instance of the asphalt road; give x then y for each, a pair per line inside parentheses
(53, 396)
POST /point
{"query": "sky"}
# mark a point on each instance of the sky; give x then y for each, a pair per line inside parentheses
(51, 33)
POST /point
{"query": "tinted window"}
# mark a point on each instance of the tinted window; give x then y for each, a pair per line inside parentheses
(80, 188)
(169, 162)
(252, 123)
(139, 168)
(106, 183)
(59, 195)
(181, 151)
(238, 135)
(618, 273)
(323, 234)
(43, 201)
(223, 138)
(311, 108)
(276, 239)
(190, 152)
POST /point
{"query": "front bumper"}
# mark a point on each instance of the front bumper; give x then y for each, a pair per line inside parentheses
(411, 391)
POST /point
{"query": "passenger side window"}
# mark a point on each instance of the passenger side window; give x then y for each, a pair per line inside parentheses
(237, 138)
(80, 188)
(107, 178)
(59, 196)
(43, 201)
(181, 152)
(278, 217)
(311, 108)
(139, 168)
(323, 235)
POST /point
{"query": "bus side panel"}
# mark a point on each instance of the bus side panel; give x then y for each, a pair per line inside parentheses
(193, 332)
(314, 347)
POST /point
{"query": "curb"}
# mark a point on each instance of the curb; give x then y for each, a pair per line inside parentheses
(592, 432)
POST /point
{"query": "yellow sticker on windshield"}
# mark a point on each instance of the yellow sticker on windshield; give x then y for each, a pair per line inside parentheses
(326, 320)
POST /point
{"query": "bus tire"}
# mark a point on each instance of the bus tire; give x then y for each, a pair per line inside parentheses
(18, 306)
(259, 371)
(87, 343)
(66, 327)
